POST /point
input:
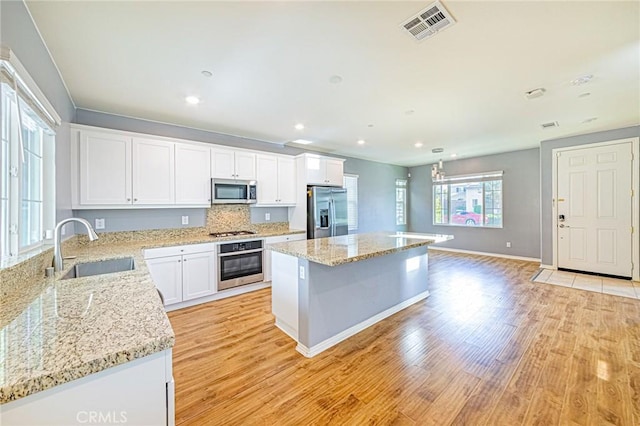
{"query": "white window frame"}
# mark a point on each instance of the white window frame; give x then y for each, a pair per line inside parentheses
(21, 92)
(441, 189)
(350, 182)
(401, 204)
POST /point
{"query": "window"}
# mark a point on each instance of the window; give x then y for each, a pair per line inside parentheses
(401, 201)
(468, 200)
(350, 182)
(27, 156)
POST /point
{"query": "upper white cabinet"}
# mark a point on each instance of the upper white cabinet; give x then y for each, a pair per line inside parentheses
(233, 164)
(153, 172)
(193, 171)
(321, 170)
(276, 179)
(104, 169)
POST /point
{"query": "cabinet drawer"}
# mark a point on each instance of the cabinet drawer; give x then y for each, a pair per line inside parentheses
(178, 250)
(285, 238)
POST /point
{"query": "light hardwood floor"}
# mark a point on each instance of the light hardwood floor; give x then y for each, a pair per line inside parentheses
(488, 347)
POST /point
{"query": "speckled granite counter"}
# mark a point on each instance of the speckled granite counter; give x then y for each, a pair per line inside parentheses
(343, 249)
(55, 331)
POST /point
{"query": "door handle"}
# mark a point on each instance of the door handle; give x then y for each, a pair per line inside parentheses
(562, 225)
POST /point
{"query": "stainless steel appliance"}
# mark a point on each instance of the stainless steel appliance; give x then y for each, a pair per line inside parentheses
(326, 212)
(239, 263)
(228, 191)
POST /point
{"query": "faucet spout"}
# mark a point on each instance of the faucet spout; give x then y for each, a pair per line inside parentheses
(58, 263)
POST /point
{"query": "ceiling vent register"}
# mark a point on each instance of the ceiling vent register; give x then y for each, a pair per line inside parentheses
(428, 22)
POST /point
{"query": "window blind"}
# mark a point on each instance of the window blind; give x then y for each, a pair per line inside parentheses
(351, 184)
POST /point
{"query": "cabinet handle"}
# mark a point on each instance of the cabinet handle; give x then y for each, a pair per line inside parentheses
(179, 261)
(128, 199)
(135, 199)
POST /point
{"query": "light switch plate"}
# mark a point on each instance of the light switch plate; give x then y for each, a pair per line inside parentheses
(267, 216)
(302, 272)
(185, 220)
(100, 223)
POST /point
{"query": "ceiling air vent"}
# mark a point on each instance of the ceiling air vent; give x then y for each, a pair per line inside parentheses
(428, 21)
(549, 125)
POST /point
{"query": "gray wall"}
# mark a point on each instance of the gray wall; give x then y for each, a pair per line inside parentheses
(376, 183)
(546, 184)
(521, 206)
(18, 32)
(376, 194)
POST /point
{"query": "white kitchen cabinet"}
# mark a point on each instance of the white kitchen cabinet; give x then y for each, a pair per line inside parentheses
(276, 179)
(153, 172)
(193, 171)
(139, 392)
(183, 272)
(104, 169)
(233, 164)
(321, 170)
(266, 266)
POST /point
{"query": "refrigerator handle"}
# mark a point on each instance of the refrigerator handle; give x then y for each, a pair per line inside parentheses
(332, 215)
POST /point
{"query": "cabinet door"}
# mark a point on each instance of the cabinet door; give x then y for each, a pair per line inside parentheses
(167, 276)
(153, 172)
(105, 169)
(222, 163)
(193, 175)
(334, 173)
(198, 275)
(286, 181)
(315, 170)
(245, 163)
(267, 179)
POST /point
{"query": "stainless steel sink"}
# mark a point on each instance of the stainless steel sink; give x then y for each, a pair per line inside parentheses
(101, 267)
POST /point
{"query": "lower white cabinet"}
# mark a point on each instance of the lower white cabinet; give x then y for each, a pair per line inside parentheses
(266, 266)
(139, 392)
(183, 272)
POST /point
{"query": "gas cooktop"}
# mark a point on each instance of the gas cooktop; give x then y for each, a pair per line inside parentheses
(231, 233)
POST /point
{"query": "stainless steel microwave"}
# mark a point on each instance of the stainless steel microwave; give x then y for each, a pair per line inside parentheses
(227, 191)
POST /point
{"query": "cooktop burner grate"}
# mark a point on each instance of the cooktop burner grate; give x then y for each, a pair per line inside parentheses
(231, 233)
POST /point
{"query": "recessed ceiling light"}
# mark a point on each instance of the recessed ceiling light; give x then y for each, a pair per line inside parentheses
(193, 100)
(454, 155)
(206, 73)
(437, 150)
(535, 93)
(335, 79)
(361, 142)
(369, 125)
(418, 144)
(582, 80)
(584, 95)
(302, 141)
(590, 119)
(410, 111)
(299, 126)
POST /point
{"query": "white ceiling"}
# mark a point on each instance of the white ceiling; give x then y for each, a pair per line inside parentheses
(271, 64)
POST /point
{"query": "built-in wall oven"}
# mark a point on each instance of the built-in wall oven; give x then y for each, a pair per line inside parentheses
(239, 263)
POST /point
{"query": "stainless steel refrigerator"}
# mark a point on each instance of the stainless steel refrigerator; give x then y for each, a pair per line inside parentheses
(326, 212)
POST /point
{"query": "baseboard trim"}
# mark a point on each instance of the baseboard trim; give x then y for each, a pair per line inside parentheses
(482, 253)
(286, 329)
(543, 266)
(332, 341)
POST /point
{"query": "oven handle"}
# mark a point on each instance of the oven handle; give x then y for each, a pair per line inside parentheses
(233, 253)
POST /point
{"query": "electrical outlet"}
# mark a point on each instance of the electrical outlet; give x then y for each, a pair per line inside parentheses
(302, 272)
(267, 216)
(100, 223)
(509, 244)
(185, 220)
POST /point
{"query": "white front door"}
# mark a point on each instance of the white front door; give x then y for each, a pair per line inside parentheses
(594, 209)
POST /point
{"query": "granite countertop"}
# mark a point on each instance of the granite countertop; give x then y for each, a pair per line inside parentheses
(334, 251)
(55, 331)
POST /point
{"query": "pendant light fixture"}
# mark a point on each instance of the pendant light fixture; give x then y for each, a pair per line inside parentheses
(437, 170)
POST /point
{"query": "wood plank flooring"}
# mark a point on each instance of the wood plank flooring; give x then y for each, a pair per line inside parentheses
(488, 347)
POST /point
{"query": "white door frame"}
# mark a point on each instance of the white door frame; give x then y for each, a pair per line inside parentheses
(635, 186)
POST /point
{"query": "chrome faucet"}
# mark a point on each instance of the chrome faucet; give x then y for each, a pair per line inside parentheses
(58, 263)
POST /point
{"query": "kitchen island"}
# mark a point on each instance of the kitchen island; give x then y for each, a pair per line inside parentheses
(328, 289)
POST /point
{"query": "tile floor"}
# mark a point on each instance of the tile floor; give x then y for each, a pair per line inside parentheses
(595, 283)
